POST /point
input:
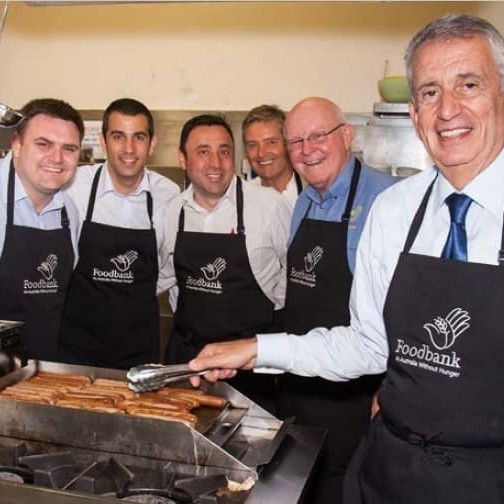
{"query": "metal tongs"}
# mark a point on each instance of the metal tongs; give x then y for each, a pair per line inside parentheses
(154, 376)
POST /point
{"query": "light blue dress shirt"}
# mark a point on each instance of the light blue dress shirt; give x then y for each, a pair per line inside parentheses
(331, 205)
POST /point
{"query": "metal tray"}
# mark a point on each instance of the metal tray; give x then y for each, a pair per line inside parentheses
(238, 438)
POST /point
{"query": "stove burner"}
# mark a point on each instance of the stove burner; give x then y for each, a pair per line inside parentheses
(156, 496)
(149, 499)
(11, 477)
(19, 474)
(105, 478)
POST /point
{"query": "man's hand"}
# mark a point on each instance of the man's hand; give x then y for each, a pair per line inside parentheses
(224, 359)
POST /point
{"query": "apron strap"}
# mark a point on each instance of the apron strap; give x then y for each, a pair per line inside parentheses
(65, 221)
(417, 220)
(501, 251)
(299, 183)
(239, 206)
(351, 192)
(149, 208)
(92, 196)
(181, 219)
(10, 196)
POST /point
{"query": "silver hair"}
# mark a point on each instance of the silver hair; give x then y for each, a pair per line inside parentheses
(461, 26)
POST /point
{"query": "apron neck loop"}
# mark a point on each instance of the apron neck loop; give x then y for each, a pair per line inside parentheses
(149, 208)
(239, 206)
(92, 196)
(92, 199)
(354, 182)
(351, 192)
(181, 218)
(417, 221)
(65, 221)
(10, 195)
(299, 183)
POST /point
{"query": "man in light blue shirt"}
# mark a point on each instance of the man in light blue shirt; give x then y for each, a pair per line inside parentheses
(326, 226)
(39, 224)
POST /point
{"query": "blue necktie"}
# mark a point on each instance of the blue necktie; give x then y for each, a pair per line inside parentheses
(456, 243)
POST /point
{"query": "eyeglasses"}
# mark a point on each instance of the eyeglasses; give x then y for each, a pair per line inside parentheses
(315, 138)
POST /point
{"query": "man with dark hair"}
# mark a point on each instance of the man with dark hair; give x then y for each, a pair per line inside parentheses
(112, 317)
(38, 223)
(227, 244)
(426, 301)
(262, 131)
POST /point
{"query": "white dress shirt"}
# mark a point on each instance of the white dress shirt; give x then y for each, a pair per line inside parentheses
(266, 217)
(343, 353)
(126, 211)
(290, 193)
(24, 214)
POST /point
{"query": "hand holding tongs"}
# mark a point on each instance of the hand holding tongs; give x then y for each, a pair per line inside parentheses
(154, 376)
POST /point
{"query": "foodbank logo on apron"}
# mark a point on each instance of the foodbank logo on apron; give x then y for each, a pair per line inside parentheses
(438, 357)
(47, 284)
(307, 275)
(120, 273)
(208, 282)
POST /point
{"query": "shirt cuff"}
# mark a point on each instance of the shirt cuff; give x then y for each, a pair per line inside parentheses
(273, 352)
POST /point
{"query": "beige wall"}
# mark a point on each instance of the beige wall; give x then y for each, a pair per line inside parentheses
(224, 56)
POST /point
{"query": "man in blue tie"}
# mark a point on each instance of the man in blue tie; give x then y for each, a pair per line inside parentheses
(428, 292)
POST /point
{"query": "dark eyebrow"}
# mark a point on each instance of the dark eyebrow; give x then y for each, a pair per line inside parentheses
(44, 139)
(123, 133)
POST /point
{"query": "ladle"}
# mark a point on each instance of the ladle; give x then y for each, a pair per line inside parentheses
(9, 117)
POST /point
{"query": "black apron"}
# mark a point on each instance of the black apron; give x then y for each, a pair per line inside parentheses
(440, 433)
(318, 291)
(35, 270)
(219, 298)
(112, 316)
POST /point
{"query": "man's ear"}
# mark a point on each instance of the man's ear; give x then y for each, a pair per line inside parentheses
(182, 159)
(153, 142)
(16, 145)
(413, 113)
(103, 144)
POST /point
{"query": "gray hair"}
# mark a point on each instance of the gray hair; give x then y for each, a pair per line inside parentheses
(264, 113)
(461, 26)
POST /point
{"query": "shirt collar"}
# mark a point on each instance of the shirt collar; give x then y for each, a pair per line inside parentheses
(105, 184)
(338, 189)
(481, 189)
(228, 196)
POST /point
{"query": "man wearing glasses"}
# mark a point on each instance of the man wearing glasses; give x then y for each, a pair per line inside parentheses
(326, 225)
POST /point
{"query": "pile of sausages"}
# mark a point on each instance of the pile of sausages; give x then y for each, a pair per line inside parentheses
(111, 396)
